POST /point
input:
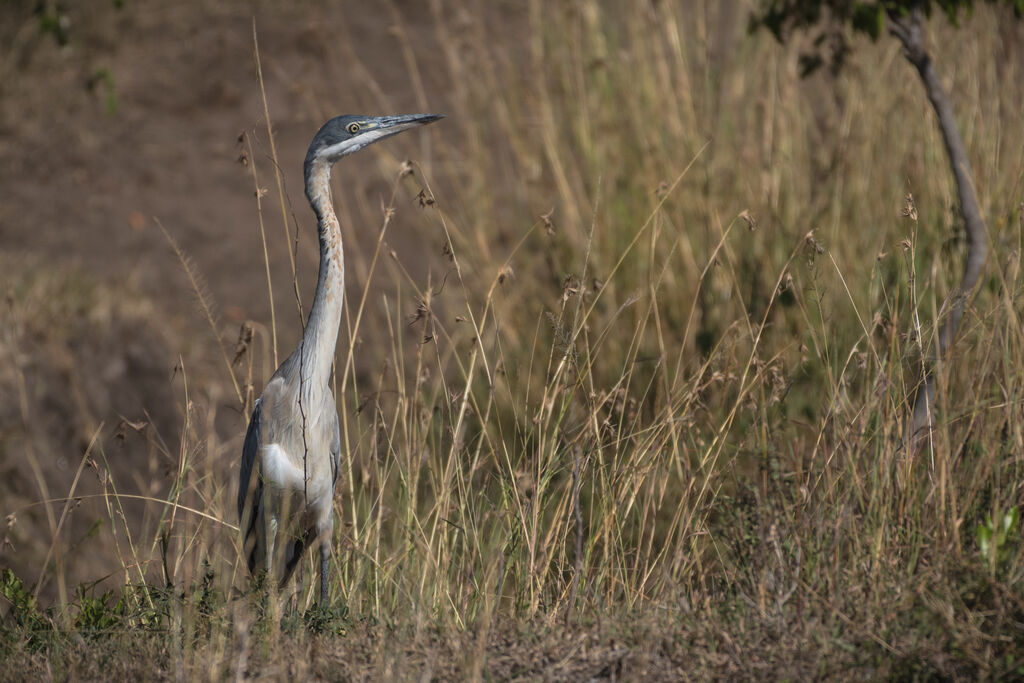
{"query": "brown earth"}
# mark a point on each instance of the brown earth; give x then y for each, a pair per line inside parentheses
(76, 172)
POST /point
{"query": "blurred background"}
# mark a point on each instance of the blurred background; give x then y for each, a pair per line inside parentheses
(654, 160)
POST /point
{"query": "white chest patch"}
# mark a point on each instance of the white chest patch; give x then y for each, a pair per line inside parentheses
(279, 470)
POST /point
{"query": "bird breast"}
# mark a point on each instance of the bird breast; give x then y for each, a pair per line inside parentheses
(279, 470)
(282, 471)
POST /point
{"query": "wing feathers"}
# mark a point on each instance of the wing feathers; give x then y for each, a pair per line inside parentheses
(250, 451)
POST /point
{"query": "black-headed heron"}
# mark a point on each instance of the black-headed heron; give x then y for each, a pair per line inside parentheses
(293, 444)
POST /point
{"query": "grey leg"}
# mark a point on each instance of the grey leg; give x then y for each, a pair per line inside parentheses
(270, 517)
(325, 559)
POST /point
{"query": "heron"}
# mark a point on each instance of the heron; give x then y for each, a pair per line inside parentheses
(293, 441)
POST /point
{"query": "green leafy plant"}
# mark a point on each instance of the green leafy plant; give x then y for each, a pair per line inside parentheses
(105, 79)
(994, 534)
(320, 619)
(97, 614)
(24, 621)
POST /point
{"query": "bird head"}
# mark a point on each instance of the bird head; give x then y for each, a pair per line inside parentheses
(344, 135)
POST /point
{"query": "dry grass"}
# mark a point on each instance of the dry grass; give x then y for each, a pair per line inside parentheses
(646, 416)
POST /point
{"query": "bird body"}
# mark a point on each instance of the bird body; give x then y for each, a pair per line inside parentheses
(293, 442)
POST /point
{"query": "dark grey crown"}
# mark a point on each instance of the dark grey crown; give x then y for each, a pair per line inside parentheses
(333, 132)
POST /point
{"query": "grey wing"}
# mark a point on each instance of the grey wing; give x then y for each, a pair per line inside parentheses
(250, 451)
(335, 444)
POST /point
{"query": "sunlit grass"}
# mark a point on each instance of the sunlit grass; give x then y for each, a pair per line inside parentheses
(656, 380)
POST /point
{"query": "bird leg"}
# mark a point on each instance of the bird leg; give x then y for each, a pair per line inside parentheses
(270, 523)
(325, 559)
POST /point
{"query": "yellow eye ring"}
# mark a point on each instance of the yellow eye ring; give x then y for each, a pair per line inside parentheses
(352, 128)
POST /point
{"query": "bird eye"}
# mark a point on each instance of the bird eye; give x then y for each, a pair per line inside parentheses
(353, 128)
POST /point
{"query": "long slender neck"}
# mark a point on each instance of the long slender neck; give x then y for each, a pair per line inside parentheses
(321, 333)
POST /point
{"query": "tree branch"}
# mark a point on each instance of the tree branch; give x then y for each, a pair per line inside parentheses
(907, 29)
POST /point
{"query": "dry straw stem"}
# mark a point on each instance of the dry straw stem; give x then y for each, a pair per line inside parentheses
(56, 541)
(280, 192)
(259, 192)
(37, 471)
(131, 496)
(206, 304)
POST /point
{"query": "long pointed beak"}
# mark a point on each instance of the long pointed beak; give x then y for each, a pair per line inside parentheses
(405, 121)
(409, 120)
